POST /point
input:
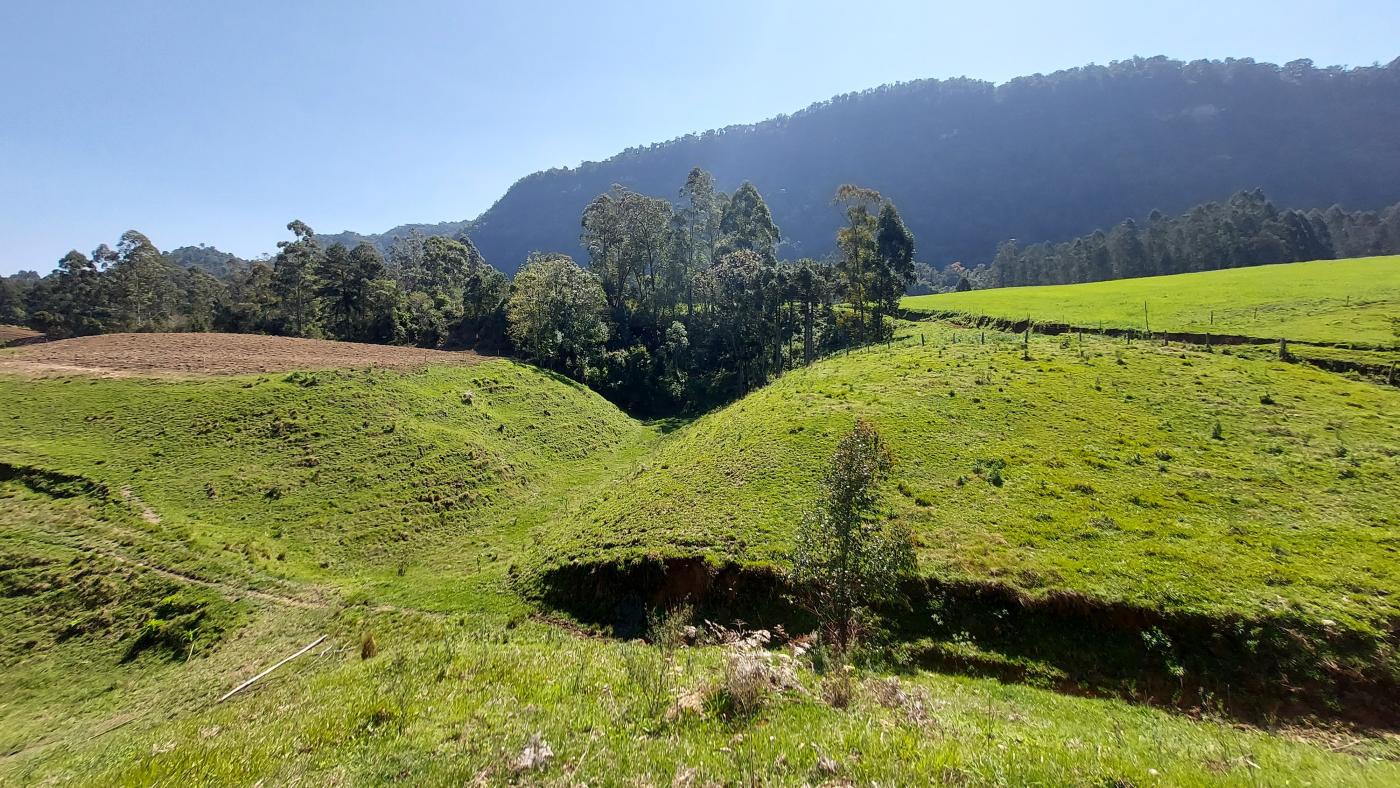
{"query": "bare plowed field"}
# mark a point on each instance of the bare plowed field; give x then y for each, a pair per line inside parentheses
(10, 334)
(118, 355)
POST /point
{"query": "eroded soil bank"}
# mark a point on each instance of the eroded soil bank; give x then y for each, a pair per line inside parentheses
(1257, 669)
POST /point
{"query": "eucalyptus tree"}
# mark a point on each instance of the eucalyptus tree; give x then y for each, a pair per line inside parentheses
(294, 279)
(747, 224)
(629, 238)
(142, 285)
(697, 233)
(857, 244)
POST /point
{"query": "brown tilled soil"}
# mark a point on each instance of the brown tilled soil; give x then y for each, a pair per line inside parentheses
(10, 334)
(120, 355)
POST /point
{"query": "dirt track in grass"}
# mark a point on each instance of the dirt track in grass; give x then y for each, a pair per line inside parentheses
(122, 355)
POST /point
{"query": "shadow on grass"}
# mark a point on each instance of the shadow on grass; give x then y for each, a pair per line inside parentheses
(1256, 669)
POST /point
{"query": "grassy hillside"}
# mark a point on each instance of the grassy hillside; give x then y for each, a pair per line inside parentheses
(328, 477)
(166, 539)
(306, 491)
(1083, 493)
(1329, 301)
(1090, 466)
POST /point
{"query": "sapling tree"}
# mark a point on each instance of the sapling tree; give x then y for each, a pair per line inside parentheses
(846, 557)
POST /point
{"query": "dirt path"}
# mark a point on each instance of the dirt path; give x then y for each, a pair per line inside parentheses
(216, 585)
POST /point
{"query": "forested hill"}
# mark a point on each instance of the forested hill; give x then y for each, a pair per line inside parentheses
(1039, 158)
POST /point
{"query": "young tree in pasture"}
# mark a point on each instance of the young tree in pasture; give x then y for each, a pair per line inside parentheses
(846, 557)
(557, 314)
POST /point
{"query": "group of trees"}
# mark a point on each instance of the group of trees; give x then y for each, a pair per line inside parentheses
(430, 292)
(678, 305)
(1245, 230)
(684, 304)
(129, 288)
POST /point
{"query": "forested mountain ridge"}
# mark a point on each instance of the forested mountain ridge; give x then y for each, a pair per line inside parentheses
(1043, 157)
(384, 240)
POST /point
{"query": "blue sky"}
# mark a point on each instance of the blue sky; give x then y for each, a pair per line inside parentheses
(219, 122)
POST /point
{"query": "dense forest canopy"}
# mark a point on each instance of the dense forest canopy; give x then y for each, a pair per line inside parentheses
(1043, 157)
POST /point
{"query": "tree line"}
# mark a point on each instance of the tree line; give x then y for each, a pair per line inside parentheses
(431, 292)
(681, 305)
(678, 305)
(1245, 230)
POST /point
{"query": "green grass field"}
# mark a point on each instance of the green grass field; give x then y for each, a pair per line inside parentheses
(1090, 469)
(1327, 301)
(165, 540)
(1293, 507)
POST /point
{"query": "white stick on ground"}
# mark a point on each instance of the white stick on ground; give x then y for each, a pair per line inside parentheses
(249, 682)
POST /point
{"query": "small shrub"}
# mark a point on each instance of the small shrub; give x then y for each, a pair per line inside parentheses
(649, 673)
(183, 624)
(1103, 522)
(838, 690)
(670, 629)
(751, 674)
(1217, 432)
(368, 648)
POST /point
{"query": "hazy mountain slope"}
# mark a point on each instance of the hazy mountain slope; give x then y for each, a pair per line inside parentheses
(1039, 158)
(385, 239)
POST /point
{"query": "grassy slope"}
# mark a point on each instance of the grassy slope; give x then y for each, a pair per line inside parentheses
(1113, 485)
(369, 488)
(372, 501)
(341, 479)
(452, 706)
(1332, 301)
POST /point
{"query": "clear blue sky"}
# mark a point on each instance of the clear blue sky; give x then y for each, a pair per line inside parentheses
(219, 122)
